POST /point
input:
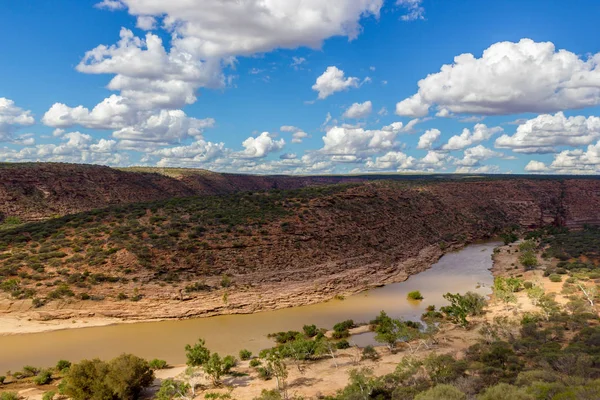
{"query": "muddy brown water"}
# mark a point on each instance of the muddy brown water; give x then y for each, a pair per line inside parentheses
(458, 272)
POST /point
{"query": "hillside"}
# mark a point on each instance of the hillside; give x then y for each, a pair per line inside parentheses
(206, 255)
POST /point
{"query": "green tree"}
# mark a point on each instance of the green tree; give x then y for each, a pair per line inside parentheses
(87, 381)
(197, 354)
(128, 375)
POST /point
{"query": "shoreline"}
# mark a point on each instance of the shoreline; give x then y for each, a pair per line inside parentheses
(242, 302)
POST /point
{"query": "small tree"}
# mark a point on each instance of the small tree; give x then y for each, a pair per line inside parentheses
(462, 306)
(215, 368)
(198, 354)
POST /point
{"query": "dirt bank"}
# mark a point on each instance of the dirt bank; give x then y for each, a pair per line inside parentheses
(19, 316)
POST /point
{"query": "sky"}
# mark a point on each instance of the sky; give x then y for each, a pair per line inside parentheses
(303, 86)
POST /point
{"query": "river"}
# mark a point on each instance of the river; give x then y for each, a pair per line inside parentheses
(457, 272)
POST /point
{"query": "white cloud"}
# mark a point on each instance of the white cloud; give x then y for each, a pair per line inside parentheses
(545, 132)
(288, 156)
(76, 147)
(169, 127)
(146, 22)
(474, 155)
(110, 4)
(197, 153)
(298, 137)
(333, 80)
(393, 160)
(480, 133)
(147, 75)
(414, 9)
(289, 128)
(536, 166)
(509, 78)
(260, 146)
(356, 141)
(11, 117)
(483, 169)
(383, 112)
(220, 28)
(359, 110)
(412, 107)
(427, 139)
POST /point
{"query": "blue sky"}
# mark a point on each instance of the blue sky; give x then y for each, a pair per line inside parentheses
(303, 87)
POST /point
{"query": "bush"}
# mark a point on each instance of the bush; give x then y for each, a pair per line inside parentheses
(122, 378)
(228, 363)
(441, 392)
(255, 362)
(62, 365)
(369, 353)
(2, 379)
(158, 364)
(555, 278)
(310, 330)
(415, 295)
(171, 389)
(265, 373)
(504, 391)
(9, 396)
(245, 354)
(43, 378)
(342, 344)
(49, 395)
(344, 325)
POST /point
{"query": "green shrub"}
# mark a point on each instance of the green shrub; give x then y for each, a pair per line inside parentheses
(255, 362)
(264, 373)
(172, 389)
(49, 395)
(122, 378)
(197, 354)
(228, 363)
(415, 295)
(369, 353)
(63, 365)
(245, 354)
(555, 278)
(342, 344)
(310, 330)
(504, 391)
(2, 379)
(9, 396)
(441, 392)
(43, 378)
(157, 364)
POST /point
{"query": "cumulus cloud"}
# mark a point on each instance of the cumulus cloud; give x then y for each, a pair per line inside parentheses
(298, 135)
(165, 127)
(427, 139)
(11, 117)
(544, 133)
(333, 80)
(536, 166)
(479, 133)
(393, 160)
(509, 78)
(359, 110)
(232, 28)
(474, 155)
(356, 141)
(260, 146)
(76, 147)
(146, 22)
(147, 75)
